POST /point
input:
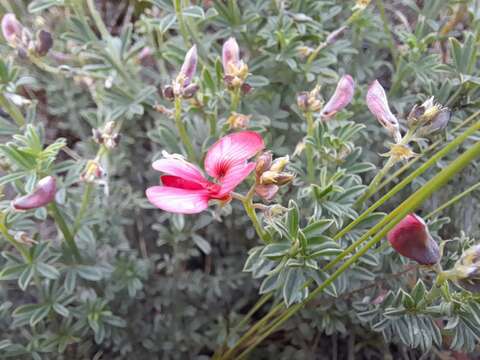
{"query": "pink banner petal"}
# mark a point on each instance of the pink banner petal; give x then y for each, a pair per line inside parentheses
(230, 151)
(233, 177)
(178, 182)
(341, 97)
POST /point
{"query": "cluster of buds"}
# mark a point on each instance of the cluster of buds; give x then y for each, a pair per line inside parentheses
(428, 117)
(235, 71)
(107, 136)
(466, 272)
(43, 194)
(182, 87)
(270, 175)
(19, 37)
(411, 238)
(310, 101)
(238, 121)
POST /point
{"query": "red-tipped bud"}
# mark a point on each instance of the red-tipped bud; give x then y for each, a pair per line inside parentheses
(189, 65)
(230, 55)
(410, 238)
(378, 104)
(43, 43)
(43, 194)
(11, 29)
(341, 97)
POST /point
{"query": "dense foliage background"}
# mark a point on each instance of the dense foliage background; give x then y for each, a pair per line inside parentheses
(158, 285)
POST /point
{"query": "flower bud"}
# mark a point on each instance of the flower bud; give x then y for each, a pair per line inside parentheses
(43, 194)
(230, 55)
(410, 238)
(467, 269)
(92, 172)
(280, 163)
(431, 116)
(238, 121)
(168, 93)
(341, 97)
(43, 43)
(190, 91)
(189, 66)
(273, 177)
(266, 192)
(308, 101)
(284, 178)
(11, 29)
(263, 163)
(378, 104)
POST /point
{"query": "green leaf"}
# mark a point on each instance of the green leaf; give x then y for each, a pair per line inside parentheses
(274, 251)
(26, 277)
(91, 273)
(203, 244)
(292, 219)
(48, 271)
(317, 228)
(257, 81)
(293, 286)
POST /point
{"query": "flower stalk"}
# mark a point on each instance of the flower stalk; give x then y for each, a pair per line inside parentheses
(62, 225)
(183, 131)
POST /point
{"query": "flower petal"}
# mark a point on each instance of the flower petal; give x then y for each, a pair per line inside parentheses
(180, 168)
(177, 200)
(230, 54)
(377, 102)
(181, 183)
(232, 150)
(233, 177)
(189, 65)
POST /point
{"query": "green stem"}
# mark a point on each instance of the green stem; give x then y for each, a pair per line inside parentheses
(253, 310)
(308, 146)
(62, 225)
(12, 110)
(183, 131)
(235, 99)
(83, 208)
(250, 210)
(181, 21)
(409, 205)
(453, 200)
(386, 30)
(20, 247)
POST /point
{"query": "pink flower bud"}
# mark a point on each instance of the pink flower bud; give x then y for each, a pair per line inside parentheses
(378, 104)
(266, 192)
(43, 194)
(230, 54)
(11, 28)
(189, 65)
(341, 97)
(410, 238)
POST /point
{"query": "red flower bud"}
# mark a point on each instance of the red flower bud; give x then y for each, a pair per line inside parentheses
(410, 238)
(43, 194)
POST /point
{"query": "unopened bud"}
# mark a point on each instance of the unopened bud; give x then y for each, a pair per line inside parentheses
(411, 238)
(11, 29)
(93, 171)
(43, 43)
(266, 192)
(238, 121)
(23, 238)
(279, 164)
(168, 93)
(284, 178)
(189, 66)
(246, 89)
(263, 163)
(378, 105)
(43, 194)
(341, 97)
(230, 55)
(309, 101)
(97, 136)
(190, 91)
(335, 35)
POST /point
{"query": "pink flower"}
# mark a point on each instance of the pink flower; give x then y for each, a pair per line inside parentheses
(11, 28)
(410, 238)
(378, 104)
(43, 194)
(341, 97)
(230, 55)
(185, 189)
